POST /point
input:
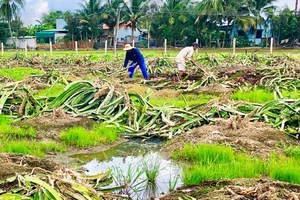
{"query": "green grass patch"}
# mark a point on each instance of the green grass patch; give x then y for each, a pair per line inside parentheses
(213, 162)
(217, 162)
(262, 95)
(81, 137)
(53, 91)
(295, 94)
(205, 154)
(5, 120)
(255, 96)
(19, 73)
(32, 147)
(8, 130)
(285, 169)
(183, 100)
(292, 151)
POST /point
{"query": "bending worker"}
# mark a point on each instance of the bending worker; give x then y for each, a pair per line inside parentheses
(134, 55)
(185, 54)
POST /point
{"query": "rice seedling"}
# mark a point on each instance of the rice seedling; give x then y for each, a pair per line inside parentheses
(295, 94)
(8, 130)
(5, 120)
(151, 167)
(183, 100)
(285, 169)
(173, 181)
(19, 73)
(17, 132)
(255, 96)
(81, 137)
(131, 180)
(205, 154)
(292, 151)
(217, 162)
(31, 147)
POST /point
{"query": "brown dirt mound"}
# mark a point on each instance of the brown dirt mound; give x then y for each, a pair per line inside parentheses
(10, 164)
(253, 138)
(237, 189)
(49, 126)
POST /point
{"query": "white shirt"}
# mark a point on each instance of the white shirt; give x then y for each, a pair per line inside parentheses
(185, 54)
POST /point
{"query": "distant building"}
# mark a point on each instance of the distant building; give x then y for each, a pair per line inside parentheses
(124, 33)
(52, 35)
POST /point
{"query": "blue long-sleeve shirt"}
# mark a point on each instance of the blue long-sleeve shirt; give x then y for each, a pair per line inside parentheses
(133, 55)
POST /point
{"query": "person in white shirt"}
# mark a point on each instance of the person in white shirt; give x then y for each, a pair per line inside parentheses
(185, 55)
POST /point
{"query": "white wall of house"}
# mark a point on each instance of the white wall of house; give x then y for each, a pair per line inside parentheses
(124, 34)
(20, 42)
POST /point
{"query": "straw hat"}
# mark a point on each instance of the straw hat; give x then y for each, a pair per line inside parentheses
(128, 47)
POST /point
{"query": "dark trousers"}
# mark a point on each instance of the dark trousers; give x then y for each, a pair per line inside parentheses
(142, 66)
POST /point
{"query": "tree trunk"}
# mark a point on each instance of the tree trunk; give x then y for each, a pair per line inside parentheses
(9, 27)
(132, 34)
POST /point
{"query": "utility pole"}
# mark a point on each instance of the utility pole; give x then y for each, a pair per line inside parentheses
(296, 8)
(116, 32)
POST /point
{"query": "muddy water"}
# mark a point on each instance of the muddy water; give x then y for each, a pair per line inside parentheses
(129, 161)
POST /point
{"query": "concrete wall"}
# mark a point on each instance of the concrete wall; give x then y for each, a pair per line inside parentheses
(20, 42)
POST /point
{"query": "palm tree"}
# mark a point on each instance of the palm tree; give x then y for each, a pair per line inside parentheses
(91, 13)
(11, 9)
(109, 14)
(257, 8)
(135, 9)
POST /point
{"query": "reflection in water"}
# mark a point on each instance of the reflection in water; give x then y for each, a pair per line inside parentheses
(135, 165)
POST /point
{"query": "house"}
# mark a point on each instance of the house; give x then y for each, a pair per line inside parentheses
(261, 35)
(124, 33)
(53, 35)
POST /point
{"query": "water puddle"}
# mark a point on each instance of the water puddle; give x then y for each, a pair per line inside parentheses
(136, 165)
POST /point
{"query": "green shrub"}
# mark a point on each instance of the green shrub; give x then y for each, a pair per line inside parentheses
(82, 137)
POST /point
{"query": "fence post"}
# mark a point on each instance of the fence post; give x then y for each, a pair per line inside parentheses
(76, 47)
(2, 49)
(25, 44)
(132, 43)
(50, 47)
(271, 46)
(105, 47)
(233, 46)
(165, 44)
(197, 48)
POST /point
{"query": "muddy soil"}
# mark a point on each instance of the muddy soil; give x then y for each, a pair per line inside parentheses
(255, 138)
(49, 126)
(10, 164)
(237, 189)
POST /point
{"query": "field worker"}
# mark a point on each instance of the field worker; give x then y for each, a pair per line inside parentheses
(185, 55)
(134, 55)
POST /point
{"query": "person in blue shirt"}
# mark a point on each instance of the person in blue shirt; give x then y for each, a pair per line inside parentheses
(134, 55)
